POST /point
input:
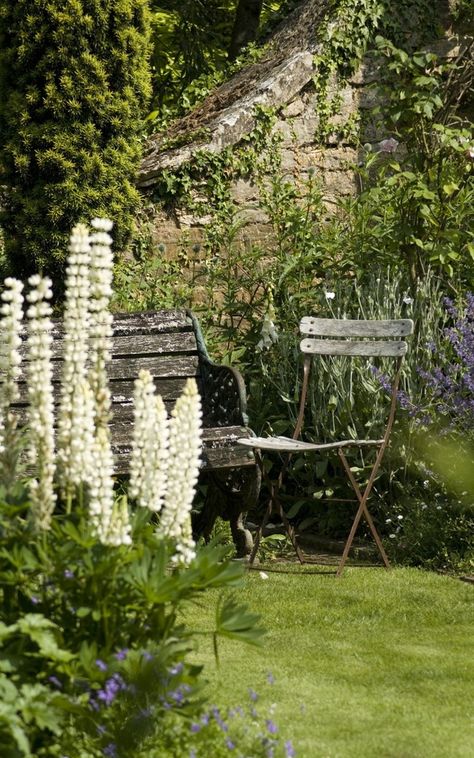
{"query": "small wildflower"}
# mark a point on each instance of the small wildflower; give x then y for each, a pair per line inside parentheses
(271, 726)
(329, 295)
(408, 300)
(268, 333)
(68, 574)
(178, 668)
(253, 695)
(55, 681)
(388, 145)
(101, 665)
(289, 750)
(229, 744)
(120, 655)
(392, 536)
(195, 728)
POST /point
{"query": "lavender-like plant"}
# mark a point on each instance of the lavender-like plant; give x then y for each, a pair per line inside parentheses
(451, 384)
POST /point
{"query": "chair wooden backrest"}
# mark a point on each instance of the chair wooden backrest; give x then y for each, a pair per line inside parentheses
(352, 337)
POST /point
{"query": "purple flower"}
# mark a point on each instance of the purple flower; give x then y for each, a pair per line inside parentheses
(55, 681)
(253, 695)
(34, 600)
(195, 728)
(101, 729)
(147, 656)
(110, 750)
(113, 686)
(101, 665)
(230, 744)
(289, 750)
(270, 678)
(271, 726)
(68, 574)
(120, 655)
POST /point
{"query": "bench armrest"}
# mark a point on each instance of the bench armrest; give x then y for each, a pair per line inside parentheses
(223, 394)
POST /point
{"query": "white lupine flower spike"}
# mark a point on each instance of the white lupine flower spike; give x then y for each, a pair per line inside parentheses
(101, 331)
(10, 359)
(183, 470)
(76, 421)
(149, 460)
(41, 401)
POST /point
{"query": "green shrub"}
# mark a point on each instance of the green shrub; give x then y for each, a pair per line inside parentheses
(74, 81)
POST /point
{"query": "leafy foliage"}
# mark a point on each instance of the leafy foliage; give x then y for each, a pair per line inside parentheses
(93, 645)
(74, 81)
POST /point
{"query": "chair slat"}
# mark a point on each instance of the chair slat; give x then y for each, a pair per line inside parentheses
(348, 347)
(332, 327)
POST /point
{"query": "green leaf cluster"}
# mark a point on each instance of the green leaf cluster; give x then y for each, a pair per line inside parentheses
(79, 621)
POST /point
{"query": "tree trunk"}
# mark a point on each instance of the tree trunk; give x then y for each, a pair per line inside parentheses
(247, 18)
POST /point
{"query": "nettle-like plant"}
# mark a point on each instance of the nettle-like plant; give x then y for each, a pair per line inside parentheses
(91, 653)
(74, 83)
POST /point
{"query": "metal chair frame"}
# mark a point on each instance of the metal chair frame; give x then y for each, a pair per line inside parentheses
(318, 340)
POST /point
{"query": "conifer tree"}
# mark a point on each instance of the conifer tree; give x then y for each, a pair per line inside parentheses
(74, 82)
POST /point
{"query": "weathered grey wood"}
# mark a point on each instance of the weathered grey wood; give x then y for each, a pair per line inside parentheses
(122, 390)
(137, 344)
(219, 450)
(128, 368)
(348, 347)
(333, 327)
(288, 445)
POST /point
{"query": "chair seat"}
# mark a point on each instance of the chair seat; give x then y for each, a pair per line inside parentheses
(289, 445)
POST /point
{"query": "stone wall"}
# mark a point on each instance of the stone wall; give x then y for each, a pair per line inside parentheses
(289, 88)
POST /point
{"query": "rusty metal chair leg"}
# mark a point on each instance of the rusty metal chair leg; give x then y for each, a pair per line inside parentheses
(362, 510)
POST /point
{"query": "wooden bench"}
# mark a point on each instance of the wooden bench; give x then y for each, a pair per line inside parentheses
(171, 346)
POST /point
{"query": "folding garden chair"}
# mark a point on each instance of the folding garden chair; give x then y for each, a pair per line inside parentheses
(335, 337)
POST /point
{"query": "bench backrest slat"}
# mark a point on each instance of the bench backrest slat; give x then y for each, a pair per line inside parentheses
(317, 330)
(345, 327)
(348, 347)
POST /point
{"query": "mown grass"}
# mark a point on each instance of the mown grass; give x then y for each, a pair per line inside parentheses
(376, 664)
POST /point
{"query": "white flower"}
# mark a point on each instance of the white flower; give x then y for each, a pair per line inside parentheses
(120, 529)
(388, 145)
(149, 459)
(392, 536)
(183, 470)
(41, 401)
(11, 311)
(110, 522)
(408, 300)
(268, 334)
(76, 412)
(101, 331)
(102, 224)
(329, 295)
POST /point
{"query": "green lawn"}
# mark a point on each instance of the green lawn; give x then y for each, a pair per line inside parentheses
(376, 664)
